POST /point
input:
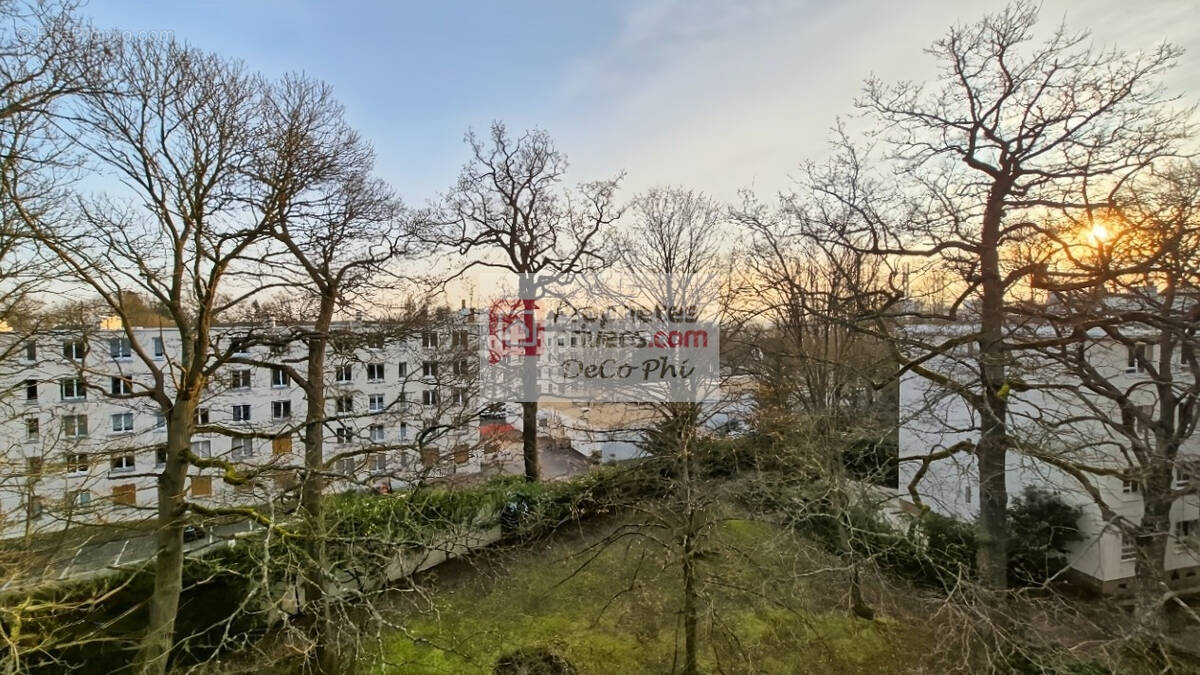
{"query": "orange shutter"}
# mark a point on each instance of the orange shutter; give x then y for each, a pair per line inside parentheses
(125, 495)
(201, 486)
(281, 445)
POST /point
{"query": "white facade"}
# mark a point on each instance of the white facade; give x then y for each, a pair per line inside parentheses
(79, 443)
(1056, 421)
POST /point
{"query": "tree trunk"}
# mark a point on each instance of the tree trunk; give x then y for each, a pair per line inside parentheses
(323, 658)
(690, 607)
(690, 599)
(990, 455)
(1152, 540)
(155, 650)
(529, 434)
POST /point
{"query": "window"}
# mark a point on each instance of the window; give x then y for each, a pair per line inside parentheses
(429, 339)
(462, 367)
(458, 338)
(374, 372)
(74, 349)
(160, 422)
(343, 373)
(968, 492)
(36, 507)
(403, 396)
(377, 433)
(429, 397)
(32, 428)
(461, 454)
(159, 351)
(31, 390)
(345, 404)
(429, 369)
(281, 445)
(202, 449)
(403, 369)
(73, 389)
(1143, 421)
(240, 379)
(33, 466)
(346, 466)
(377, 462)
(201, 416)
(1138, 355)
(1182, 477)
(1130, 486)
(120, 348)
(278, 348)
(281, 410)
(31, 351)
(404, 431)
(1185, 533)
(80, 499)
(122, 423)
(279, 377)
(121, 386)
(375, 403)
(160, 457)
(241, 448)
(201, 486)
(75, 426)
(343, 435)
(123, 462)
(241, 412)
(1128, 548)
(375, 342)
(125, 495)
(239, 345)
(459, 397)
(77, 462)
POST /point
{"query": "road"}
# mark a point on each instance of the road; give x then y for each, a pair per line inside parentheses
(94, 558)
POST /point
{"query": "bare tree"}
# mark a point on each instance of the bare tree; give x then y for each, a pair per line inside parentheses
(959, 175)
(509, 212)
(176, 126)
(1122, 313)
(341, 229)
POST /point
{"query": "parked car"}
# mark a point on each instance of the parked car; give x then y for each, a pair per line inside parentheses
(194, 533)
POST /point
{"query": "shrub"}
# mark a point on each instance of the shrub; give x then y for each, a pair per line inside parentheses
(1041, 528)
(533, 661)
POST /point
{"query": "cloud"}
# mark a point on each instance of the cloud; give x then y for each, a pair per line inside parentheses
(723, 96)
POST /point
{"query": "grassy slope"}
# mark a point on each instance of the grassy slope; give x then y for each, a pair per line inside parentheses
(761, 616)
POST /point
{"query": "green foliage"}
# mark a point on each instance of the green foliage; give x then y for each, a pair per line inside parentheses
(615, 610)
(1041, 528)
(937, 549)
(874, 461)
(227, 590)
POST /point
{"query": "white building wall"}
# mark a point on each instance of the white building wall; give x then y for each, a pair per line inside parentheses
(62, 477)
(934, 419)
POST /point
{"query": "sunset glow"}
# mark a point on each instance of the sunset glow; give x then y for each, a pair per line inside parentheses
(1099, 235)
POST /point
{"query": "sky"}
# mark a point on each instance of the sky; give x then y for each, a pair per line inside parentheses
(715, 95)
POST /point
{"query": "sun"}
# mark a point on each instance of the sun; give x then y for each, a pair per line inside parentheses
(1099, 235)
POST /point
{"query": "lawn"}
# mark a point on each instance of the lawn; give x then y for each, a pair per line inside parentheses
(618, 611)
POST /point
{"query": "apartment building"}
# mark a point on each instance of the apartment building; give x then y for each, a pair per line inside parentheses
(1059, 420)
(82, 444)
